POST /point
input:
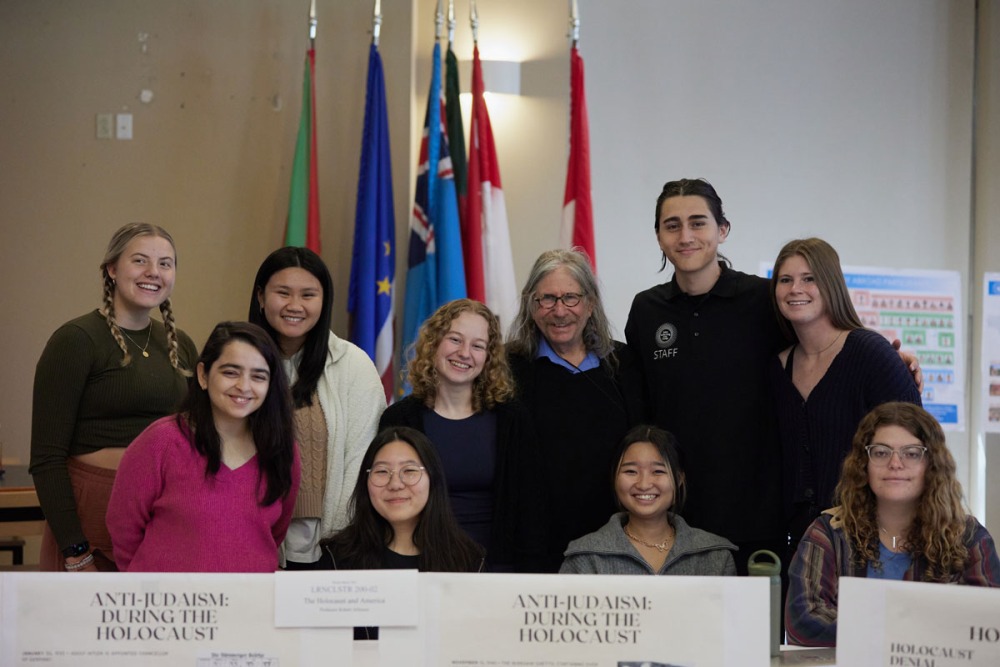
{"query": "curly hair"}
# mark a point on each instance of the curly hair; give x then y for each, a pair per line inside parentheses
(938, 530)
(493, 385)
(116, 246)
(824, 263)
(524, 333)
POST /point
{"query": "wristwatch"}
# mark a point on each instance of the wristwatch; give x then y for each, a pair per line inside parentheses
(76, 549)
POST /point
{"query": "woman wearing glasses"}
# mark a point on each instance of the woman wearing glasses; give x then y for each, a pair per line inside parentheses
(900, 517)
(828, 380)
(582, 387)
(401, 515)
(463, 401)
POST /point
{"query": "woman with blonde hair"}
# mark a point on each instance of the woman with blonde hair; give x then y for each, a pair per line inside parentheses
(101, 380)
(900, 516)
(463, 401)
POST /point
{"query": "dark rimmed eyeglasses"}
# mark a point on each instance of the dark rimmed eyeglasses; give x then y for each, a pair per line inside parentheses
(549, 301)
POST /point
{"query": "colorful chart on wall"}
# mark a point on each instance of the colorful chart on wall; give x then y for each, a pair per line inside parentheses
(991, 351)
(923, 309)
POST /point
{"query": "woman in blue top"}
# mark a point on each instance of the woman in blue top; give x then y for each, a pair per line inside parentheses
(900, 517)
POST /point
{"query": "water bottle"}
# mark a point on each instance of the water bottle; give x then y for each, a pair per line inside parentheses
(770, 569)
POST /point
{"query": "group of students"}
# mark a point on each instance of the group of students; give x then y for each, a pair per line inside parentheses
(283, 452)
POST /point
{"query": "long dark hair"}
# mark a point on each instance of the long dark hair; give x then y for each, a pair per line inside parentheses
(271, 424)
(443, 545)
(316, 347)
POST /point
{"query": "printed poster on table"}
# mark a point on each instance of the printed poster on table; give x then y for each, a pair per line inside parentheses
(108, 619)
(923, 309)
(919, 624)
(595, 620)
(991, 351)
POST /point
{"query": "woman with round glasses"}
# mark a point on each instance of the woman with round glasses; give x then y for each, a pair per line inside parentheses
(463, 400)
(828, 380)
(900, 517)
(401, 517)
(582, 387)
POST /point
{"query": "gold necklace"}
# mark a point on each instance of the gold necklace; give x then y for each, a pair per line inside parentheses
(816, 354)
(149, 333)
(661, 546)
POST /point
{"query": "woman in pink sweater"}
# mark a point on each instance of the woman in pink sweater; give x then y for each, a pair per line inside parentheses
(212, 489)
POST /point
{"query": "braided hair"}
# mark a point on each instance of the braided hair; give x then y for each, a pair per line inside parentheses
(116, 247)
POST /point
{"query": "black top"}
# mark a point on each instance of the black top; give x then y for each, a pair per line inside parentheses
(704, 361)
(579, 418)
(816, 434)
(468, 451)
(520, 518)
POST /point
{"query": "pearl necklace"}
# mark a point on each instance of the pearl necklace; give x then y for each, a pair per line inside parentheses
(661, 546)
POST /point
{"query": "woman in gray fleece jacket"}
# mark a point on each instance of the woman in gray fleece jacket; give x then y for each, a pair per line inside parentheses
(649, 537)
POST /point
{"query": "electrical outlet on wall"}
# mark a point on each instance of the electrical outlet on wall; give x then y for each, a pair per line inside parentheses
(123, 126)
(105, 126)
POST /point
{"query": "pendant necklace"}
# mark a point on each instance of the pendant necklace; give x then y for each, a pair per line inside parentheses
(149, 333)
(660, 546)
(893, 537)
(816, 354)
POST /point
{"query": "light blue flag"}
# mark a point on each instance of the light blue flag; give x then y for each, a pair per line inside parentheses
(436, 274)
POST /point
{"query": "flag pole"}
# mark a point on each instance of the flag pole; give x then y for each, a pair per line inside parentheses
(451, 22)
(438, 21)
(312, 24)
(474, 21)
(376, 22)
(574, 22)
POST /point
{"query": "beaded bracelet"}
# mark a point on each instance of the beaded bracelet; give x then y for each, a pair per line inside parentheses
(87, 560)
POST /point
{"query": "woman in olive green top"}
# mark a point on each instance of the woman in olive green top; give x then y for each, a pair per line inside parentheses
(100, 381)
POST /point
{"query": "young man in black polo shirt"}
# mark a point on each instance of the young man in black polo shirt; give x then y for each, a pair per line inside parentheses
(703, 340)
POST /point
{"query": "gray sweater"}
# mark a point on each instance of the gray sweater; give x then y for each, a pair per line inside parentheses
(609, 551)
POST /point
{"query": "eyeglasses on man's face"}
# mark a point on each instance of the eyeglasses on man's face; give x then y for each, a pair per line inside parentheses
(382, 475)
(910, 455)
(549, 301)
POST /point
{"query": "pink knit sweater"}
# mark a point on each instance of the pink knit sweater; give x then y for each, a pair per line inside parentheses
(165, 515)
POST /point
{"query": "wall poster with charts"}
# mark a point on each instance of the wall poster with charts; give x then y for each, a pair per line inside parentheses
(991, 351)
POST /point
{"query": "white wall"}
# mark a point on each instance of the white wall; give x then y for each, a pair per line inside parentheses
(849, 120)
